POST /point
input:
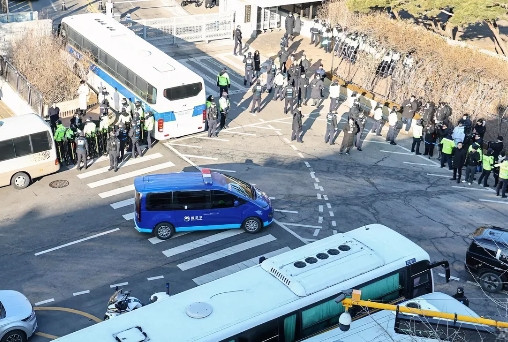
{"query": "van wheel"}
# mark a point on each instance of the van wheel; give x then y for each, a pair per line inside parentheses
(491, 282)
(20, 180)
(252, 225)
(14, 336)
(164, 230)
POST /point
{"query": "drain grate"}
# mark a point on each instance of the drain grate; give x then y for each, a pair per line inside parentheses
(59, 183)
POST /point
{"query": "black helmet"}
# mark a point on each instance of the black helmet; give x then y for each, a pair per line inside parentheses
(59, 122)
(210, 98)
(249, 54)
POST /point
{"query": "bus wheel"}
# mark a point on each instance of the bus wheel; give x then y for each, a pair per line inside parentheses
(252, 225)
(20, 180)
(164, 230)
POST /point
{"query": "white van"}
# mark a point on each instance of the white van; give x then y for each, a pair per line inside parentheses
(27, 150)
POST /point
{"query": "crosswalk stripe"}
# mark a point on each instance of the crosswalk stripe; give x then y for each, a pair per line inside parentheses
(127, 162)
(155, 240)
(201, 242)
(226, 252)
(116, 191)
(129, 216)
(130, 174)
(122, 204)
(206, 278)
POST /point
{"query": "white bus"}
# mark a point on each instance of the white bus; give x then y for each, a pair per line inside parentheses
(396, 327)
(27, 150)
(286, 298)
(139, 71)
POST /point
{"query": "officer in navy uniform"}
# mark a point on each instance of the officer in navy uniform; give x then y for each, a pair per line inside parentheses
(81, 151)
(135, 135)
(212, 117)
(331, 127)
(289, 98)
(237, 35)
(256, 97)
(249, 69)
(297, 126)
(271, 70)
(113, 148)
(122, 136)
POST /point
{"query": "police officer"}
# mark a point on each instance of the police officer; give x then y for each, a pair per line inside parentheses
(314, 32)
(271, 71)
(334, 95)
(256, 97)
(89, 130)
(149, 126)
(237, 36)
(59, 140)
(224, 109)
(81, 151)
(378, 119)
(125, 105)
(223, 81)
(69, 146)
(140, 112)
(360, 123)
(487, 163)
(76, 122)
(279, 83)
(297, 126)
(331, 127)
(135, 135)
(124, 118)
(316, 86)
(122, 136)
(289, 96)
(103, 133)
(249, 69)
(212, 117)
(301, 84)
(113, 148)
(104, 107)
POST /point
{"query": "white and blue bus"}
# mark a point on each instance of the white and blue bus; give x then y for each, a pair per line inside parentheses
(139, 71)
(285, 298)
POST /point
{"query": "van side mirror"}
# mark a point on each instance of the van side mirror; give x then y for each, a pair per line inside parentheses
(236, 203)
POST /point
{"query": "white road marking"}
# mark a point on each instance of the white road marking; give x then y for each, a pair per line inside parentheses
(53, 5)
(184, 145)
(320, 219)
(307, 164)
(269, 127)
(261, 120)
(316, 232)
(334, 232)
(155, 240)
(201, 242)
(127, 162)
(312, 174)
(77, 241)
(321, 188)
(301, 225)
(405, 153)
(45, 301)
(286, 211)
(334, 223)
(278, 132)
(451, 277)
(199, 157)
(328, 205)
(155, 278)
(420, 164)
(320, 208)
(316, 180)
(436, 175)
(475, 189)
(131, 174)
(190, 162)
(119, 285)
(121, 204)
(80, 293)
(208, 138)
(283, 226)
(294, 147)
(325, 197)
(492, 201)
(116, 191)
(206, 278)
(286, 140)
(271, 198)
(316, 186)
(222, 170)
(472, 283)
(240, 133)
(129, 216)
(301, 155)
(331, 213)
(226, 252)
(318, 196)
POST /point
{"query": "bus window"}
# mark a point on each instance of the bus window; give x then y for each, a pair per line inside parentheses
(221, 199)
(191, 200)
(41, 142)
(384, 290)
(7, 150)
(22, 146)
(320, 317)
(183, 91)
(290, 328)
(159, 201)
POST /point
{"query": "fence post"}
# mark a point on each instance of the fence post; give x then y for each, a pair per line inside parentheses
(30, 95)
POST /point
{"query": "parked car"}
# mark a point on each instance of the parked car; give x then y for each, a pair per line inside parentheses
(487, 257)
(17, 317)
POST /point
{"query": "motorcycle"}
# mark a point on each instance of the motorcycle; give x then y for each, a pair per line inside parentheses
(121, 302)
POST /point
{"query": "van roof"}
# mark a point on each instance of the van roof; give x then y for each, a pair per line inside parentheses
(177, 181)
(21, 125)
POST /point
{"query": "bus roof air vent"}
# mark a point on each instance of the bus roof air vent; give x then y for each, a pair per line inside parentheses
(312, 268)
(164, 67)
(199, 310)
(134, 334)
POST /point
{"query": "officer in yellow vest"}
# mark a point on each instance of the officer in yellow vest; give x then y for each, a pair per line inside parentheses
(503, 178)
(223, 81)
(487, 163)
(446, 151)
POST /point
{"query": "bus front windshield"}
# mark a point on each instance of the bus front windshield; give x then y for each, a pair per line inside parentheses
(240, 187)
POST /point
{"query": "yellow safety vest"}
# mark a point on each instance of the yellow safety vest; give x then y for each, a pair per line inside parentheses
(448, 145)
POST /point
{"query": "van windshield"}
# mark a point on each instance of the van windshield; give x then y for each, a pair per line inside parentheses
(240, 187)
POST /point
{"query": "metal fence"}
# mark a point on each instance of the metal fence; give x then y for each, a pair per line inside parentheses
(19, 83)
(18, 17)
(192, 28)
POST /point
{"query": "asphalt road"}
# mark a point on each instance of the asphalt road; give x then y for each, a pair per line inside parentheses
(67, 247)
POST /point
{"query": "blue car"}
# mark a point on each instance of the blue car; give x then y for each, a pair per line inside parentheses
(193, 201)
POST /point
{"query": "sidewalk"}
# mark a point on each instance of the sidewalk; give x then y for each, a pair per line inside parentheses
(5, 111)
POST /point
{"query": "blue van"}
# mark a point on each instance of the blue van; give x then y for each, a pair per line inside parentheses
(191, 201)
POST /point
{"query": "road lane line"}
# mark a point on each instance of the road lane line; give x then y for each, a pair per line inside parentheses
(77, 241)
(475, 189)
(286, 140)
(294, 147)
(320, 208)
(300, 225)
(328, 205)
(206, 278)
(318, 196)
(331, 213)
(80, 293)
(301, 155)
(155, 240)
(183, 145)
(126, 162)
(121, 204)
(155, 278)
(320, 219)
(184, 158)
(129, 216)
(222, 170)
(239, 133)
(116, 191)
(45, 301)
(436, 175)
(201, 242)
(394, 152)
(199, 157)
(307, 164)
(131, 174)
(208, 138)
(226, 252)
(119, 285)
(316, 232)
(420, 164)
(334, 223)
(286, 211)
(492, 201)
(325, 197)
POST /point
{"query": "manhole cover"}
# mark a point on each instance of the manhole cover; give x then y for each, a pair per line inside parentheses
(59, 184)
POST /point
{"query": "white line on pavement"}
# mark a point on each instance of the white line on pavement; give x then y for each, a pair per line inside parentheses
(198, 157)
(283, 226)
(271, 198)
(312, 174)
(80, 293)
(294, 147)
(321, 188)
(184, 145)
(300, 155)
(122, 204)
(155, 240)
(420, 164)
(240, 133)
(45, 301)
(316, 186)
(226, 252)
(331, 213)
(328, 205)
(492, 201)
(307, 164)
(301, 225)
(208, 138)
(77, 241)
(320, 219)
(420, 156)
(405, 153)
(206, 278)
(222, 170)
(316, 180)
(467, 188)
(286, 140)
(334, 223)
(325, 197)
(320, 208)
(119, 285)
(126, 162)
(286, 211)
(316, 232)
(116, 191)
(201, 242)
(131, 174)
(334, 232)
(451, 277)
(155, 278)
(129, 216)
(182, 156)
(318, 196)
(436, 175)
(278, 132)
